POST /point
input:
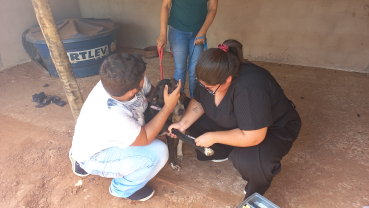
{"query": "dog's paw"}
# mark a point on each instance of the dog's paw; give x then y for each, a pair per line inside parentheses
(175, 166)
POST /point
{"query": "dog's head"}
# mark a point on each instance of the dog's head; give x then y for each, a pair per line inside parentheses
(158, 97)
(179, 110)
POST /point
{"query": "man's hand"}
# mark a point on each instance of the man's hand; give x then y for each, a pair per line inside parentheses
(153, 127)
(171, 99)
(205, 140)
(162, 41)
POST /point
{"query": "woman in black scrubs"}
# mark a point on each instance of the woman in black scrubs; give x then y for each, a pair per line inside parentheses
(242, 113)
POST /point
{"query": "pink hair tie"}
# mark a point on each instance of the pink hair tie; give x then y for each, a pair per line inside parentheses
(224, 47)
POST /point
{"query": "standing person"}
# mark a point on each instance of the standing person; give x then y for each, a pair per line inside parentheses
(111, 138)
(242, 113)
(188, 21)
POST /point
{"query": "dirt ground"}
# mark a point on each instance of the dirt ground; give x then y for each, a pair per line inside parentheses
(328, 165)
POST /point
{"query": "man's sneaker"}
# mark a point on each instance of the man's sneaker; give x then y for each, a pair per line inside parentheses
(77, 170)
(220, 160)
(143, 194)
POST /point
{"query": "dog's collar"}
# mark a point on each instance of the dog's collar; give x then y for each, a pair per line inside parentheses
(155, 107)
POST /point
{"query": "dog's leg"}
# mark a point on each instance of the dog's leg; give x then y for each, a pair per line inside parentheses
(173, 163)
(179, 150)
(177, 115)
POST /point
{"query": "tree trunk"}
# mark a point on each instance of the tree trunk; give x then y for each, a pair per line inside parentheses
(58, 55)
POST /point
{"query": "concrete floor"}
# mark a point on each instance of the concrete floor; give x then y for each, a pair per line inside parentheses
(328, 165)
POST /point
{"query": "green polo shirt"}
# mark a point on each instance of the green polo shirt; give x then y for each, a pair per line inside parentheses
(188, 15)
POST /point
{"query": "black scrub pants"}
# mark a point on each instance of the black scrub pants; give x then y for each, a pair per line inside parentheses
(257, 164)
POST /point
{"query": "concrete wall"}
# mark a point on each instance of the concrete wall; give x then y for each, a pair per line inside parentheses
(18, 15)
(139, 19)
(322, 33)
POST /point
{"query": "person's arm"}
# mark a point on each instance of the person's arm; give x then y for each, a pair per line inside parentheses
(164, 15)
(194, 111)
(152, 129)
(234, 137)
(212, 10)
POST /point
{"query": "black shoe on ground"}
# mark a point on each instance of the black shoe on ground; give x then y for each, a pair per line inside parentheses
(143, 194)
(77, 170)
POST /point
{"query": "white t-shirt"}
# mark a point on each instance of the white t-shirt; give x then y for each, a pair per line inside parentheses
(105, 122)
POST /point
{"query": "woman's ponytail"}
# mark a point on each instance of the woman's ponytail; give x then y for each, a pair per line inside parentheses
(235, 48)
(215, 65)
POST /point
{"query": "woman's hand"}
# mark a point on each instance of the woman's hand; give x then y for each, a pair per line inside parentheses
(212, 10)
(200, 40)
(162, 41)
(205, 140)
(178, 126)
(164, 15)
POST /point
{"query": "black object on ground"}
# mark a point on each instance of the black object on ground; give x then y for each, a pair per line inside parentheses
(205, 150)
(42, 100)
(46, 85)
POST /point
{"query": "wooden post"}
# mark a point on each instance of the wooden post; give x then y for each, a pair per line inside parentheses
(58, 54)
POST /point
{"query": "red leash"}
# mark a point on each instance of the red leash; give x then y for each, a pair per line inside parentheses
(160, 51)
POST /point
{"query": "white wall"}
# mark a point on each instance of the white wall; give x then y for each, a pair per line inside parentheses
(18, 15)
(321, 33)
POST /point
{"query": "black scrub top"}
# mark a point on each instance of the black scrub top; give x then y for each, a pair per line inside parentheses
(254, 100)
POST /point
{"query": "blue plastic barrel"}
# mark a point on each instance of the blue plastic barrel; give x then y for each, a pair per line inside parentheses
(88, 42)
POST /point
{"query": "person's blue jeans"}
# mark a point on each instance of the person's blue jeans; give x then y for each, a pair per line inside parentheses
(182, 44)
(131, 167)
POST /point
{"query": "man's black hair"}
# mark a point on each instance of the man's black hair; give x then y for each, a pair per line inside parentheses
(120, 73)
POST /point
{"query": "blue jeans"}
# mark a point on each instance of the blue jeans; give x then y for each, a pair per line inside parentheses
(182, 46)
(131, 167)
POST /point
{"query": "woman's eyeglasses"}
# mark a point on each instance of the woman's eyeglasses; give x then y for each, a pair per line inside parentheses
(207, 88)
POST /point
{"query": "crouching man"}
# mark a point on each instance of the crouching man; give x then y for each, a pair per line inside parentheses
(111, 138)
